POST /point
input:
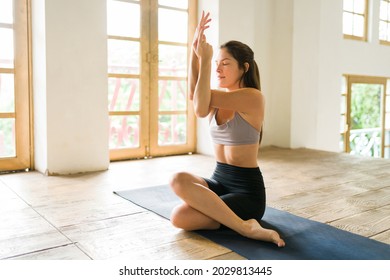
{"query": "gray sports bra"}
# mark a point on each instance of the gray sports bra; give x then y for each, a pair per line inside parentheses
(236, 131)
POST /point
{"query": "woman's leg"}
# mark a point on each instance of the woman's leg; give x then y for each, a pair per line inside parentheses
(185, 217)
(204, 209)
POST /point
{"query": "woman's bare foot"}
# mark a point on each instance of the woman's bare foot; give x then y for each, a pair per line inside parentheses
(252, 229)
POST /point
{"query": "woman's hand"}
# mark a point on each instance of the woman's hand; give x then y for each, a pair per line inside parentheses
(199, 44)
(204, 50)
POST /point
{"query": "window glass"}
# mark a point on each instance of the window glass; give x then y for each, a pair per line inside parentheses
(384, 21)
(181, 4)
(6, 14)
(354, 19)
(126, 21)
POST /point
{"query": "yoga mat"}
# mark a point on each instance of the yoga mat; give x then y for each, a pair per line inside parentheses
(305, 239)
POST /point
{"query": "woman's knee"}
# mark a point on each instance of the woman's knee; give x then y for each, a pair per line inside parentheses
(178, 181)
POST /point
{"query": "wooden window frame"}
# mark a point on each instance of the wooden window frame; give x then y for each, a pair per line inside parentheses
(352, 79)
(148, 82)
(365, 15)
(385, 42)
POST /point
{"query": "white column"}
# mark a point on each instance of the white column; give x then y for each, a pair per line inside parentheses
(70, 86)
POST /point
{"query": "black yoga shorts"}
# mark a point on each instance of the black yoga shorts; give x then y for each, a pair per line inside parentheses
(241, 188)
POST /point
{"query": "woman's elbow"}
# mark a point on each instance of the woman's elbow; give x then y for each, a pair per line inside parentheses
(201, 113)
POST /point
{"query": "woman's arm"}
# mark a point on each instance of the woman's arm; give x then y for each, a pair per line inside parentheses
(245, 100)
(202, 92)
(200, 69)
(193, 74)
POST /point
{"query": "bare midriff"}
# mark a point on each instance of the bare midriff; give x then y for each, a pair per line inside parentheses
(240, 155)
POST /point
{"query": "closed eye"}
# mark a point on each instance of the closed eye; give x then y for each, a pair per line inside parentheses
(223, 62)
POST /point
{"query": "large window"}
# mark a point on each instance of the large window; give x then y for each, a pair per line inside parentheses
(14, 86)
(384, 22)
(355, 19)
(148, 46)
(365, 116)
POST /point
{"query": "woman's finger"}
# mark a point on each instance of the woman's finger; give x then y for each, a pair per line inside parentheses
(204, 20)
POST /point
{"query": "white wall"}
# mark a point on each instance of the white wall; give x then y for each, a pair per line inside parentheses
(305, 72)
(70, 86)
(329, 81)
(320, 57)
(302, 56)
(276, 17)
(39, 83)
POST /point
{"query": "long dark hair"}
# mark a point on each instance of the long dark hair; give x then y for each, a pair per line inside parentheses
(244, 54)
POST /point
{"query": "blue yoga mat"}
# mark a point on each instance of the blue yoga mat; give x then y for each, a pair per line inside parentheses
(305, 239)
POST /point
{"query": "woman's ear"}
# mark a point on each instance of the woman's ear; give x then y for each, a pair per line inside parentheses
(246, 66)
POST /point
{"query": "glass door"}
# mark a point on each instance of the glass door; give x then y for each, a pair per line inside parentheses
(128, 78)
(172, 119)
(147, 76)
(366, 113)
(14, 86)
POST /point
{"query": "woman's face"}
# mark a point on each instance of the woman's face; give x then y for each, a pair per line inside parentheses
(228, 72)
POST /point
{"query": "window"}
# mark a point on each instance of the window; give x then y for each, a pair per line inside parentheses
(365, 116)
(147, 77)
(384, 22)
(355, 19)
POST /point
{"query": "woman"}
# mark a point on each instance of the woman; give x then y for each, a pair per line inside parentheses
(234, 196)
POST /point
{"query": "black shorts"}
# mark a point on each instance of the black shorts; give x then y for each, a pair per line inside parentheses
(241, 188)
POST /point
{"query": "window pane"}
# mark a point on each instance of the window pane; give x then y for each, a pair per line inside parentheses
(7, 138)
(7, 99)
(383, 10)
(6, 48)
(172, 60)
(388, 32)
(387, 137)
(358, 25)
(347, 23)
(366, 142)
(348, 5)
(124, 132)
(172, 30)
(382, 30)
(172, 129)
(388, 103)
(359, 6)
(123, 19)
(366, 106)
(6, 14)
(172, 95)
(123, 94)
(181, 4)
(387, 121)
(388, 87)
(123, 57)
(387, 153)
(388, 10)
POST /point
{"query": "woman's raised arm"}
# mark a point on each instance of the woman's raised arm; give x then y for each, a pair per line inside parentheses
(200, 69)
(193, 71)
